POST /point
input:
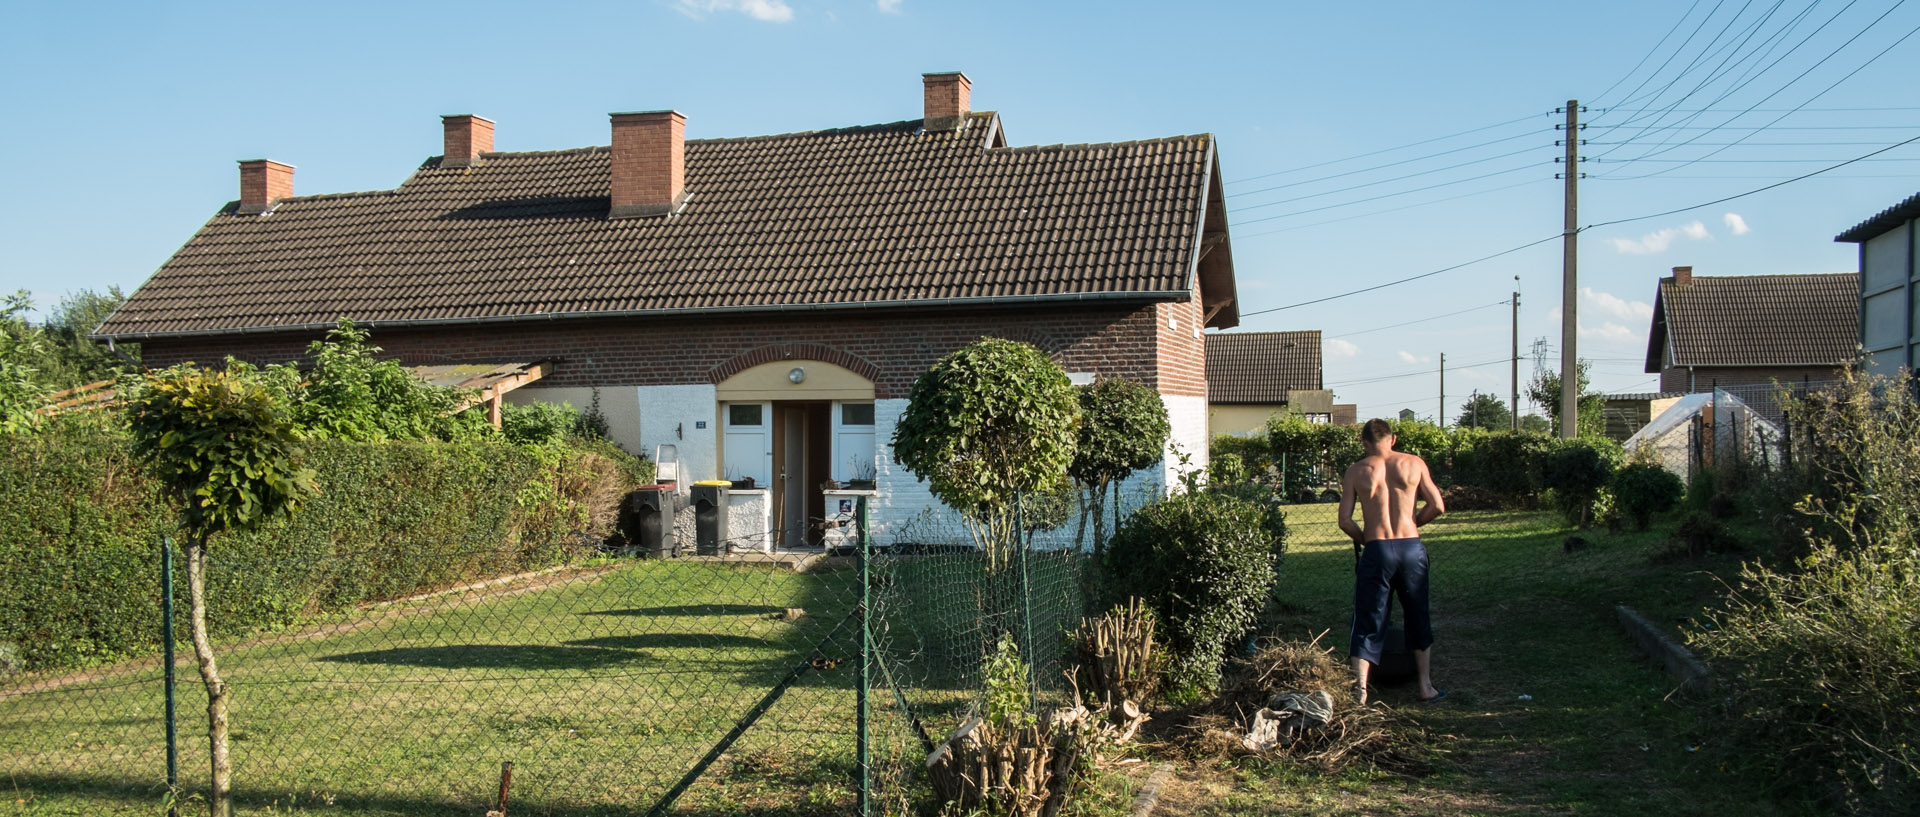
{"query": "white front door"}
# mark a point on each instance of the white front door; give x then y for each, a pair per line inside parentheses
(747, 447)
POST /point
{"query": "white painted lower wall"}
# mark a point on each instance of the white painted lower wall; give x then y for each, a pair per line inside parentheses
(673, 415)
(1187, 418)
(749, 520)
(619, 403)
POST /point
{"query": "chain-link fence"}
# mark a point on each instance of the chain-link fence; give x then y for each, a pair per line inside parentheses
(1746, 427)
(613, 685)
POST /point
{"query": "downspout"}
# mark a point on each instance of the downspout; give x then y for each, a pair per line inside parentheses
(122, 355)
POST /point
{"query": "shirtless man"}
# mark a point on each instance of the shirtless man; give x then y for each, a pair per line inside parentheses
(1386, 484)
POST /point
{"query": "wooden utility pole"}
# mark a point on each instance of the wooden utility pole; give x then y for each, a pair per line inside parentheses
(1443, 389)
(1516, 354)
(1570, 282)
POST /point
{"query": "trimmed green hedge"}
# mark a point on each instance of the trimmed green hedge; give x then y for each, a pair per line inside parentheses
(80, 525)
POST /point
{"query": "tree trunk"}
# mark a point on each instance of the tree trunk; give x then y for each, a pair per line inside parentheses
(219, 798)
(1086, 504)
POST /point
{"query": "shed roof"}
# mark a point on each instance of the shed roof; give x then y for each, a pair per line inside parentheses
(1886, 220)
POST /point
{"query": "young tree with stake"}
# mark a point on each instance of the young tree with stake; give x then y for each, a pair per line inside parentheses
(223, 448)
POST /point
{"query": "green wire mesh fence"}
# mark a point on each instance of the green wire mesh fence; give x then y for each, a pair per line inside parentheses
(614, 685)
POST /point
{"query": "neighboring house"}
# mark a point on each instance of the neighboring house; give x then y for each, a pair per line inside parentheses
(1751, 330)
(1889, 287)
(1252, 376)
(746, 307)
(1346, 414)
(1626, 414)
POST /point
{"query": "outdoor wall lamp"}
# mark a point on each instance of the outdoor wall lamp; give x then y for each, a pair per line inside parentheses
(798, 375)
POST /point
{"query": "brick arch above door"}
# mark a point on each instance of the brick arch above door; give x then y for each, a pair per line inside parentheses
(797, 352)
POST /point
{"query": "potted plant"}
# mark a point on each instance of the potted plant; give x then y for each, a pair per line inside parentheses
(863, 475)
(741, 483)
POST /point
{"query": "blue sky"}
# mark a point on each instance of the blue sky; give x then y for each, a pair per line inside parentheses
(124, 122)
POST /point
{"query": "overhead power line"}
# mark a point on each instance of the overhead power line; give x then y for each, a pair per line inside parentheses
(1385, 150)
(1397, 164)
(1372, 213)
(1755, 190)
(1823, 92)
(1557, 236)
(1394, 179)
(1415, 322)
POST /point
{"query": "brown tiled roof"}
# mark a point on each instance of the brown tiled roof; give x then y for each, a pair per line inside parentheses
(1756, 320)
(1886, 220)
(1261, 367)
(857, 217)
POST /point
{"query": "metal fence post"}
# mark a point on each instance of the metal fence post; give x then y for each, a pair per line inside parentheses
(862, 724)
(166, 650)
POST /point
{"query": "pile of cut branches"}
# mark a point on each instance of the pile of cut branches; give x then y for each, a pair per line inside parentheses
(1375, 735)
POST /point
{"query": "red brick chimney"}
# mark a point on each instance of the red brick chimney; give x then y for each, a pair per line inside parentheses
(1682, 276)
(467, 136)
(947, 96)
(649, 163)
(263, 182)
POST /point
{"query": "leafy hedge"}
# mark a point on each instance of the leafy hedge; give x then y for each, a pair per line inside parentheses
(80, 523)
(1205, 563)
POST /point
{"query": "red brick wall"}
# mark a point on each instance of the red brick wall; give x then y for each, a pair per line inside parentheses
(1116, 341)
(946, 95)
(264, 181)
(467, 136)
(649, 158)
(1180, 356)
(1702, 379)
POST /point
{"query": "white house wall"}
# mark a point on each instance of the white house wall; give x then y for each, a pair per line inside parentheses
(675, 415)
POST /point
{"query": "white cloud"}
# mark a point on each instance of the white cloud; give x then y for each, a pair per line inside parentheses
(1737, 224)
(1659, 240)
(1409, 357)
(1616, 306)
(1608, 331)
(772, 11)
(890, 6)
(1341, 349)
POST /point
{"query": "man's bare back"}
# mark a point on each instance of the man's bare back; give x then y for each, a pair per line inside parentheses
(1385, 484)
(1388, 554)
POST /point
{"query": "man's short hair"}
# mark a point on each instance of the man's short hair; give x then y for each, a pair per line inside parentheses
(1375, 430)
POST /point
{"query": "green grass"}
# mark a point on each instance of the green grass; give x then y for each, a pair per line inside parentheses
(602, 690)
(1515, 614)
(604, 686)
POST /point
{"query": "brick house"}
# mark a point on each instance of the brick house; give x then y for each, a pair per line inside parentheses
(1252, 376)
(759, 306)
(1746, 332)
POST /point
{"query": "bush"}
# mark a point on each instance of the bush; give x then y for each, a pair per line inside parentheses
(1576, 471)
(81, 522)
(1310, 456)
(1505, 463)
(1643, 489)
(537, 423)
(1822, 663)
(1205, 563)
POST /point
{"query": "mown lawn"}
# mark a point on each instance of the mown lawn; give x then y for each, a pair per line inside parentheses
(1551, 710)
(602, 687)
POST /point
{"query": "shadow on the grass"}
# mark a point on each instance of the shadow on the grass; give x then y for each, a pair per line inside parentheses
(678, 641)
(494, 656)
(692, 610)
